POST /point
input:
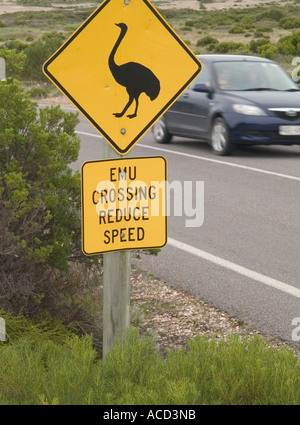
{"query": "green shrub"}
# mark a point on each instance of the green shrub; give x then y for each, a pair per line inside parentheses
(39, 202)
(267, 51)
(264, 28)
(47, 372)
(255, 44)
(286, 46)
(233, 371)
(16, 45)
(289, 45)
(289, 22)
(207, 40)
(231, 47)
(236, 29)
(19, 327)
(189, 23)
(272, 14)
(38, 92)
(260, 34)
(247, 21)
(14, 61)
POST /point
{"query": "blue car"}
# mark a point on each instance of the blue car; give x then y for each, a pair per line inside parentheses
(236, 100)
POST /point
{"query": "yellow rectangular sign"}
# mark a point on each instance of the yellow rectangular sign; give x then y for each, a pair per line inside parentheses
(123, 204)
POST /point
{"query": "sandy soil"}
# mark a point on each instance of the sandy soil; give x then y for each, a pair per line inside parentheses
(12, 7)
(194, 4)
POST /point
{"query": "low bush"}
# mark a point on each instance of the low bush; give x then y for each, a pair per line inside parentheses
(14, 61)
(231, 47)
(267, 51)
(289, 22)
(234, 371)
(237, 29)
(207, 41)
(255, 44)
(38, 92)
(290, 44)
(189, 23)
(19, 327)
(42, 269)
(39, 203)
(272, 14)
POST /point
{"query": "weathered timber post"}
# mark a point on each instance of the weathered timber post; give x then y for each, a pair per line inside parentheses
(116, 286)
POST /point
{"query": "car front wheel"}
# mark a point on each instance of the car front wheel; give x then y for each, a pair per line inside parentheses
(160, 131)
(220, 141)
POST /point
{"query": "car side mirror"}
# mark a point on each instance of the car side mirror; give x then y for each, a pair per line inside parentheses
(201, 88)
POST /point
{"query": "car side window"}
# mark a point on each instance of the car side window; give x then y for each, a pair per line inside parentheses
(203, 78)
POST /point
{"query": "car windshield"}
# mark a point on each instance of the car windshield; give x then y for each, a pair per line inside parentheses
(250, 75)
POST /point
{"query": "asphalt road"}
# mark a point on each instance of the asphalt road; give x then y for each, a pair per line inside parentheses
(244, 259)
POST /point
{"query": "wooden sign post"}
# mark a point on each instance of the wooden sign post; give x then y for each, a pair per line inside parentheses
(116, 286)
(122, 68)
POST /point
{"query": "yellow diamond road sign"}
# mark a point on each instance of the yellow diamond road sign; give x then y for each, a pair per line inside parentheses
(123, 68)
(122, 206)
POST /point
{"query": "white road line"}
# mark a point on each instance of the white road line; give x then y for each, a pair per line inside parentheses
(89, 134)
(230, 164)
(203, 158)
(266, 280)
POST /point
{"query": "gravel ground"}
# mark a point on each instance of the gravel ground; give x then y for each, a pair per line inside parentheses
(174, 316)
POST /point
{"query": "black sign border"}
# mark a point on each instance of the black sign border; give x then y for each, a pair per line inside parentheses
(82, 207)
(92, 121)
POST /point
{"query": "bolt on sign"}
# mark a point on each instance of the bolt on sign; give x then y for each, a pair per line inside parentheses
(123, 68)
(122, 206)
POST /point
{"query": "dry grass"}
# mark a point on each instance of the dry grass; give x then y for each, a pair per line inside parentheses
(13, 7)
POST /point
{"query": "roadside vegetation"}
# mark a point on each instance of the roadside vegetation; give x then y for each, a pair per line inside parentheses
(49, 292)
(271, 30)
(43, 272)
(45, 367)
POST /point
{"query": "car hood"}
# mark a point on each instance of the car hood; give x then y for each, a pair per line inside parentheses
(267, 99)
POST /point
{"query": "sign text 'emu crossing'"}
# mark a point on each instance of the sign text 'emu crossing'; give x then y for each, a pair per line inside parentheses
(123, 204)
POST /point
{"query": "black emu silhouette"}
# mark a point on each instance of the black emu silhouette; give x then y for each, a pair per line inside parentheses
(135, 77)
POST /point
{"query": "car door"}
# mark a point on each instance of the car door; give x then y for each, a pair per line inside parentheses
(188, 115)
(197, 104)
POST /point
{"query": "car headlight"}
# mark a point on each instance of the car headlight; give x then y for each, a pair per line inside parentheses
(248, 110)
